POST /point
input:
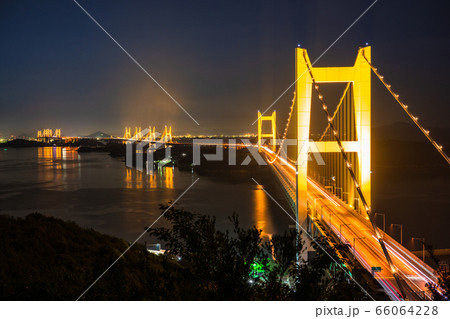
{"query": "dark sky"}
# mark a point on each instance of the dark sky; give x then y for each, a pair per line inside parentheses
(221, 60)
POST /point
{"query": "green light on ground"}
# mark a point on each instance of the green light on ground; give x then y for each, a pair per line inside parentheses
(256, 269)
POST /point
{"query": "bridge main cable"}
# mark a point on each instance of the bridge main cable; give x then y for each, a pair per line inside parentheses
(285, 131)
(415, 119)
(355, 181)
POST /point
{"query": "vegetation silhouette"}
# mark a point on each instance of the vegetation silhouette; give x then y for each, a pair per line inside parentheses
(44, 258)
(223, 262)
(439, 291)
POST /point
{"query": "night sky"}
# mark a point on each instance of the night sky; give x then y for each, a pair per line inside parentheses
(221, 60)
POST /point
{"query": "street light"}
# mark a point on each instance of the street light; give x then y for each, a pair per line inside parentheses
(401, 232)
(331, 213)
(333, 180)
(340, 229)
(423, 246)
(315, 209)
(359, 208)
(354, 245)
(336, 188)
(321, 210)
(384, 220)
(348, 197)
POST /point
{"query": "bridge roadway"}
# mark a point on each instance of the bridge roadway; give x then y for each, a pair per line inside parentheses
(355, 230)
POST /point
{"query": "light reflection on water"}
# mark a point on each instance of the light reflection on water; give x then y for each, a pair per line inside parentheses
(55, 163)
(100, 192)
(163, 177)
(262, 217)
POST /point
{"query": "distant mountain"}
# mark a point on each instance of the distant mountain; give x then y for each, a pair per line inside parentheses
(99, 134)
(402, 131)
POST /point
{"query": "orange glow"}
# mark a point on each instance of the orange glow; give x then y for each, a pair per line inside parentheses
(168, 176)
(128, 178)
(152, 180)
(263, 221)
(139, 179)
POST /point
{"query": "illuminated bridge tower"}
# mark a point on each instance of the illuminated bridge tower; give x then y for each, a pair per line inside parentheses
(152, 133)
(272, 118)
(127, 134)
(138, 133)
(359, 76)
(167, 136)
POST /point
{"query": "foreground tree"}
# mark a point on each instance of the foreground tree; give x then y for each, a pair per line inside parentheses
(44, 258)
(330, 277)
(221, 263)
(237, 265)
(439, 290)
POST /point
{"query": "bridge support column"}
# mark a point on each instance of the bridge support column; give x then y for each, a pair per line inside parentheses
(359, 75)
(303, 88)
(273, 120)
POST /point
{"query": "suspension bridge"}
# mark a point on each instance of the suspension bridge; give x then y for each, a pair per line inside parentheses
(328, 181)
(150, 134)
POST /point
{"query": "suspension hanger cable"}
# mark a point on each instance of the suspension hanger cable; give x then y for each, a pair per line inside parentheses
(415, 119)
(355, 181)
(291, 112)
(336, 111)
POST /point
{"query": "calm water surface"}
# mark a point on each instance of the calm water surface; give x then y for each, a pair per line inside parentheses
(100, 192)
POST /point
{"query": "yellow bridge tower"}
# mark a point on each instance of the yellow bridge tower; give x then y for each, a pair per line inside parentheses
(273, 119)
(127, 133)
(167, 136)
(359, 76)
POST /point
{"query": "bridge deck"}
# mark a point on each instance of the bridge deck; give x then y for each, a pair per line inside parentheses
(355, 230)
